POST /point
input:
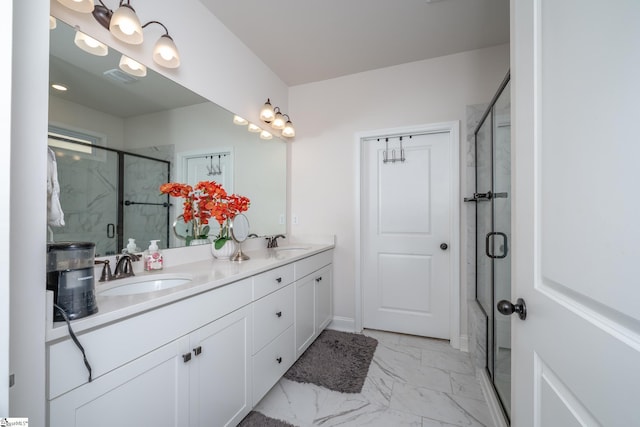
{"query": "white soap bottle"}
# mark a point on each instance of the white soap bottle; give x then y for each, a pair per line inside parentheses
(153, 259)
(131, 246)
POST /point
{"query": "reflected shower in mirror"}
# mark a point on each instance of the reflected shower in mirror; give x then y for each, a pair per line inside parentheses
(148, 118)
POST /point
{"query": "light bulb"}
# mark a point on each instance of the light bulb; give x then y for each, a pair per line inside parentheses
(265, 135)
(254, 128)
(266, 114)
(132, 67)
(90, 45)
(165, 52)
(239, 120)
(125, 25)
(278, 121)
(288, 131)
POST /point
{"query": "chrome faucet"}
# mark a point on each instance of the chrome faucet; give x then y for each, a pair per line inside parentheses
(123, 265)
(272, 241)
(106, 275)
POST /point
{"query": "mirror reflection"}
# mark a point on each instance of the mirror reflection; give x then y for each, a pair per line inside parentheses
(116, 138)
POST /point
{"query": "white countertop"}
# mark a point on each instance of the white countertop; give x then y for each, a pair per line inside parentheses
(206, 273)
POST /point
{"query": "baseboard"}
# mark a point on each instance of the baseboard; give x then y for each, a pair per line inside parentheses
(495, 409)
(344, 324)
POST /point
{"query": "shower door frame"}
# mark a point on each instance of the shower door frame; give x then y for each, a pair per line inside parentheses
(120, 191)
(490, 320)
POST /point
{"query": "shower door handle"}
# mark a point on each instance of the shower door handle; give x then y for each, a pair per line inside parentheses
(489, 239)
(111, 230)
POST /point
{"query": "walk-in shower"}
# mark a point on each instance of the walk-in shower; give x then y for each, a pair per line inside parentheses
(492, 198)
(109, 196)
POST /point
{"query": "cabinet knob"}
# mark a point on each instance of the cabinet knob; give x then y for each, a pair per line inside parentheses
(319, 279)
(279, 314)
(279, 359)
(197, 350)
(186, 357)
(279, 280)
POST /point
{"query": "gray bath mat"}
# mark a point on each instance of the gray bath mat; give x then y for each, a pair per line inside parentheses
(336, 360)
(256, 419)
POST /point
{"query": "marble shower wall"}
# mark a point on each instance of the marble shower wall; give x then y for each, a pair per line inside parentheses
(88, 196)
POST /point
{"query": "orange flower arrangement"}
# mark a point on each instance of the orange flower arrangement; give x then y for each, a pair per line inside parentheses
(207, 200)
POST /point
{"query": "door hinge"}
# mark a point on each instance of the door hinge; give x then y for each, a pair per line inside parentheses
(12, 380)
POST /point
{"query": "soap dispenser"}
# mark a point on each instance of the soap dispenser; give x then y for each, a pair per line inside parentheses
(153, 259)
(131, 246)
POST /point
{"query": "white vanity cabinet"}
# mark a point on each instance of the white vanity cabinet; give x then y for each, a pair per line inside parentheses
(273, 342)
(220, 371)
(201, 378)
(313, 298)
(204, 360)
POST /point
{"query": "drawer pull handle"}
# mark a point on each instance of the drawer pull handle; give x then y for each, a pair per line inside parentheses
(319, 279)
(279, 314)
(279, 280)
(186, 357)
(197, 350)
(279, 359)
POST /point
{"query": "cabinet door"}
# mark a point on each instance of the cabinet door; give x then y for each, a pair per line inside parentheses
(305, 313)
(149, 391)
(221, 371)
(323, 295)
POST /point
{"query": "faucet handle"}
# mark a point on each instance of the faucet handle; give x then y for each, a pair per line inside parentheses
(106, 274)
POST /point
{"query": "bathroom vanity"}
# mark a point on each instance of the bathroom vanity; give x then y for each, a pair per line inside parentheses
(202, 353)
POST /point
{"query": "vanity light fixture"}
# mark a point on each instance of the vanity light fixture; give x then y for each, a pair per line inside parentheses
(82, 6)
(267, 114)
(124, 24)
(132, 67)
(89, 44)
(288, 131)
(276, 119)
(240, 121)
(265, 135)
(254, 128)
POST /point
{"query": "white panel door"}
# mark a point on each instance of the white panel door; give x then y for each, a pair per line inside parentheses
(576, 357)
(405, 273)
(216, 167)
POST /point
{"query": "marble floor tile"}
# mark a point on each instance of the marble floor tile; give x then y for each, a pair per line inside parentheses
(460, 362)
(438, 406)
(466, 386)
(412, 381)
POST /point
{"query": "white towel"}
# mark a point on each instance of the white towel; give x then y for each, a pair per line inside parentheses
(55, 216)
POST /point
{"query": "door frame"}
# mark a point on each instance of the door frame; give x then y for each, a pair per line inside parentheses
(453, 128)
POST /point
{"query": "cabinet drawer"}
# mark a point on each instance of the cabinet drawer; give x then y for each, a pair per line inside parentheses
(270, 364)
(271, 316)
(308, 265)
(272, 280)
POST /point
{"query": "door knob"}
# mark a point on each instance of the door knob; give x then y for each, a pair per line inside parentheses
(444, 246)
(505, 307)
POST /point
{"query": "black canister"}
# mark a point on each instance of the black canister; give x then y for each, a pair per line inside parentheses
(70, 275)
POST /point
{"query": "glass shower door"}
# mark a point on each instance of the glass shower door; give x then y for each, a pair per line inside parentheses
(501, 245)
(493, 237)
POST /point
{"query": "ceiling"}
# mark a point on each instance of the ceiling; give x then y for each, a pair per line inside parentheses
(304, 41)
(84, 75)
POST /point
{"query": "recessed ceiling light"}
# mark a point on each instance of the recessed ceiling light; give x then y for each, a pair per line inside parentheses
(59, 87)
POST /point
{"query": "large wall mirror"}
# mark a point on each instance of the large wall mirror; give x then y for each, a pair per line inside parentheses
(115, 138)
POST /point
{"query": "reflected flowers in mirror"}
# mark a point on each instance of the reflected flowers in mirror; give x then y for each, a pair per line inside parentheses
(206, 201)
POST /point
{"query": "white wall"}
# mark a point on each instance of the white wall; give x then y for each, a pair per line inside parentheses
(70, 115)
(223, 70)
(328, 114)
(6, 39)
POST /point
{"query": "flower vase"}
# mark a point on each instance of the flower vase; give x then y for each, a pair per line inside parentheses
(225, 252)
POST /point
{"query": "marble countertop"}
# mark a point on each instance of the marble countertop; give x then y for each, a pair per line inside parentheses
(205, 274)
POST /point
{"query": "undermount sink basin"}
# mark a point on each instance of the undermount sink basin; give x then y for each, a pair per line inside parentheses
(144, 285)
